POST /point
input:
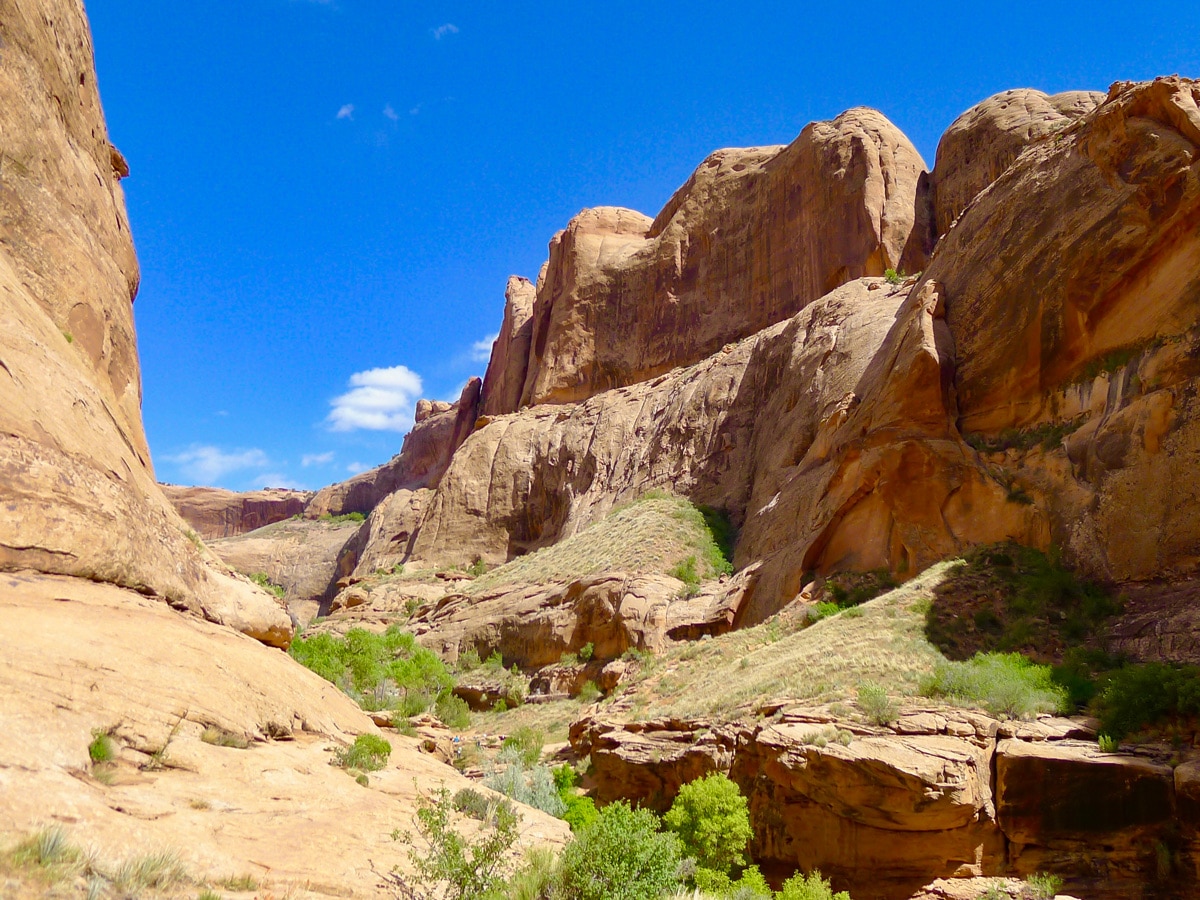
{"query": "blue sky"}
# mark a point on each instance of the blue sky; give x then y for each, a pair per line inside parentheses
(327, 196)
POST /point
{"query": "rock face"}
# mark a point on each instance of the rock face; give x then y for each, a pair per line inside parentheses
(218, 513)
(941, 794)
(505, 378)
(422, 459)
(985, 140)
(752, 237)
(534, 625)
(1084, 257)
(75, 474)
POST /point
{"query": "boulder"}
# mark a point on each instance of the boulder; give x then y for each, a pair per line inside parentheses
(75, 473)
(218, 513)
(752, 237)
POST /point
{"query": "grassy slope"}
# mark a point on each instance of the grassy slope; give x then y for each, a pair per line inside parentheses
(651, 536)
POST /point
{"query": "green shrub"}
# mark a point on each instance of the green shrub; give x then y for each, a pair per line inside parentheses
(538, 878)
(368, 753)
(453, 712)
(621, 856)
(873, 700)
(1044, 886)
(469, 660)
(750, 886)
(1002, 683)
(355, 517)
(477, 568)
(1135, 697)
(159, 871)
(527, 742)
(1108, 743)
(712, 819)
(47, 848)
(579, 811)
(102, 749)
(263, 580)
(589, 693)
(686, 572)
(809, 887)
(533, 785)
(587, 651)
(380, 671)
(450, 866)
(891, 276)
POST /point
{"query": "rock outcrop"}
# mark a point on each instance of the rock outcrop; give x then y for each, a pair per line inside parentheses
(505, 378)
(439, 430)
(985, 140)
(751, 238)
(218, 513)
(75, 473)
(944, 793)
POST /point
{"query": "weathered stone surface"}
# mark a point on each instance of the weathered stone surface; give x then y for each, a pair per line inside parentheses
(75, 477)
(509, 361)
(300, 555)
(985, 140)
(752, 237)
(534, 625)
(82, 656)
(388, 535)
(1058, 801)
(1072, 287)
(1159, 621)
(422, 459)
(218, 513)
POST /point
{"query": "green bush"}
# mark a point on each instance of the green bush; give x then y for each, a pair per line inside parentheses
(1002, 683)
(621, 856)
(586, 652)
(380, 671)
(891, 276)
(809, 887)
(750, 886)
(533, 785)
(686, 572)
(589, 693)
(102, 749)
(712, 819)
(1044, 886)
(263, 580)
(368, 753)
(527, 741)
(873, 700)
(1135, 697)
(1107, 743)
(579, 812)
(453, 712)
(477, 568)
(355, 517)
(450, 866)
(538, 878)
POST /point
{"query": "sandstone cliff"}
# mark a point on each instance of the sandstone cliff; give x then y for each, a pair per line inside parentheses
(75, 473)
(218, 513)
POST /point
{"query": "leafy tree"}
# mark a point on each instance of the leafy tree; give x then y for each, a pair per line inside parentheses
(621, 856)
(712, 819)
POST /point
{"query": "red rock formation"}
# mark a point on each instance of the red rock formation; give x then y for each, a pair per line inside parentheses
(218, 513)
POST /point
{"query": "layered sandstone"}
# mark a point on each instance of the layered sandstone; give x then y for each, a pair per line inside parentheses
(752, 237)
(75, 474)
(218, 513)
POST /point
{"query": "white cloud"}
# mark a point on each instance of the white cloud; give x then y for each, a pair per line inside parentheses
(206, 464)
(390, 113)
(346, 112)
(481, 351)
(316, 459)
(380, 400)
(442, 30)
(357, 468)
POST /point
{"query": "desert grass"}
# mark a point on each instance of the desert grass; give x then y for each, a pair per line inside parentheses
(880, 643)
(653, 535)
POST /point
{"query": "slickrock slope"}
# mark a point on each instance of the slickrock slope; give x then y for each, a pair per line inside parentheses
(752, 237)
(75, 477)
(82, 657)
(218, 513)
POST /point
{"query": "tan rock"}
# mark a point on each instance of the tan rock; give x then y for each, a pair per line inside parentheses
(510, 356)
(84, 656)
(75, 473)
(218, 513)
(752, 237)
(985, 140)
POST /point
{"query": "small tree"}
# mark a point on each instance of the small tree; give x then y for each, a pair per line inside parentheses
(451, 866)
(712, 818)
(621, 856)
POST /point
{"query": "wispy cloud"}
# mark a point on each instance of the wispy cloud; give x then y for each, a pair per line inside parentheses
(357, 468)
(205, 464)
(443, 30)
(346, 112)
(481, 351)
(379, 400)
(415, 111)
(316, 459)
(390, 113)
